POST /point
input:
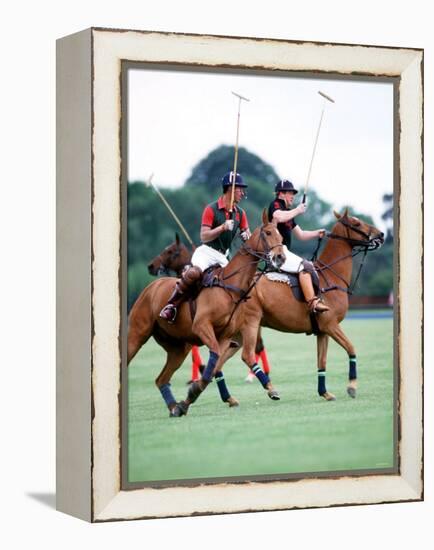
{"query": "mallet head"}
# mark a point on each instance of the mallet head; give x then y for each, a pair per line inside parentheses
(241, 97)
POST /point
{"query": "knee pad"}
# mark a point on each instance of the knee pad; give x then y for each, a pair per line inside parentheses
(192, 275)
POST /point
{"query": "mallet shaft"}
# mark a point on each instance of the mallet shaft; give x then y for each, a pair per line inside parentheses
(328, 98)
(170, 210)
(313, 155)
(240, 98)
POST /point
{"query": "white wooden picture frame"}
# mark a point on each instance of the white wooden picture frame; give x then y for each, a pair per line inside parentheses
(89, 271)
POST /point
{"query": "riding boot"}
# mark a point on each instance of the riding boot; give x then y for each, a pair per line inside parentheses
(315, 304)
(170, 310)
(189, 278)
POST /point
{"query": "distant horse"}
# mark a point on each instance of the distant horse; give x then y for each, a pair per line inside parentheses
(273, 304)
(219, 315)
(174, 258)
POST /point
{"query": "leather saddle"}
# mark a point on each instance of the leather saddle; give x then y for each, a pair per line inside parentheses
(209, 279)
(292, 280)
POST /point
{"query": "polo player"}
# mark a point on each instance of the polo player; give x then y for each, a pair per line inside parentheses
(281, 212)
(218, 229)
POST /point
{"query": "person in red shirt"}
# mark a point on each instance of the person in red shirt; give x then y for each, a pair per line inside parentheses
(218, 229)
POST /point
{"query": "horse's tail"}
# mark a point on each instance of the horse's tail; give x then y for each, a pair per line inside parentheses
(142, 317)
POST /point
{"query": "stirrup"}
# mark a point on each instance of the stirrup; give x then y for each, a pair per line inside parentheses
(316, 305)
(169, 313)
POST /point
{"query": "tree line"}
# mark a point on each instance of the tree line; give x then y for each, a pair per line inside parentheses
(151, 228)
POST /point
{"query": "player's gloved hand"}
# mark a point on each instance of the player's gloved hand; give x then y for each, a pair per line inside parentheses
(245, 235)
(228, 225)
(302, 207)
(321, 233)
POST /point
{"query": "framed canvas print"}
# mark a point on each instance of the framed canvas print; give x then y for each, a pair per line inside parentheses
(239, 274)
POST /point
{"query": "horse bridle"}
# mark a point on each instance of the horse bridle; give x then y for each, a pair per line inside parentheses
(367, 242)
(261, 256)
(364, 245)
(163, 269)
(266, 254)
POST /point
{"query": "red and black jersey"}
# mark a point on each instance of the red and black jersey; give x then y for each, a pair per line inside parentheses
(284, 228)
(215, 214)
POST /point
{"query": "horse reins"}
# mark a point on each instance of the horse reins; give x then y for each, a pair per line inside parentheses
(261, 256)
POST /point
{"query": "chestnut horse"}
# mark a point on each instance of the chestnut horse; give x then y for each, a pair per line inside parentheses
(218, 316)
(174, 258)
(273, 304)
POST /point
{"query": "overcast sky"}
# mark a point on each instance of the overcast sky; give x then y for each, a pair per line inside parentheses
(176, 118)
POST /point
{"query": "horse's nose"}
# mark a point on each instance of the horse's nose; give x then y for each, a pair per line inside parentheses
(151, 269)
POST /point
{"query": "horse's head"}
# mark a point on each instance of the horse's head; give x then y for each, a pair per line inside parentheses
(357, 232)
(266, 243)
(173, 258)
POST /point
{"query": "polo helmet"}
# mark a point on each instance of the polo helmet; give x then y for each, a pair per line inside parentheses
(285, 185)
(228, 179)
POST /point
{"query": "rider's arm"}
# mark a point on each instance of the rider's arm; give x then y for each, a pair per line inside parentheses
(282, 216)
(244, 224)
(207, 234)
(304, 235)
(244, 227)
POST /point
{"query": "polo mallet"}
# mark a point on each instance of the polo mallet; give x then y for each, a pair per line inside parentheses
(326, 98)
(169, 208)
(234, 176)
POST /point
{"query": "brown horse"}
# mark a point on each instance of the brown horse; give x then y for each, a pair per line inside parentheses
(273, 304)
(218, 315)
(174, 258)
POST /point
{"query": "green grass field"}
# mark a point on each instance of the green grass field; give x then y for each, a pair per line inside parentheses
(299, 433)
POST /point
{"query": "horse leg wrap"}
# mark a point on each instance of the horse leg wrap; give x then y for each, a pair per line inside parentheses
(322, 381)
(193, 392)
(208, 373)
(221, 384)
(167, 395)
(353, 368)
(260, 375)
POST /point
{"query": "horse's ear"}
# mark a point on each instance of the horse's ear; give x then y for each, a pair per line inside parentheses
(264, 217)
(337, 215)
(345, 214)
(177, 239)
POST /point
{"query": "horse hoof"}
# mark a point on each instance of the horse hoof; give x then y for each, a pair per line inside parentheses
(180, 409)
(175, 412)
(232, 402)
(328, 396)
(351, 392)
(274, 395)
